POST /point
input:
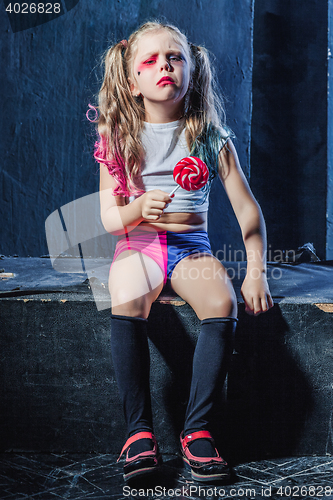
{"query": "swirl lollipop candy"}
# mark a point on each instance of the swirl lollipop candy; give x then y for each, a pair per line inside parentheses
(190, 173)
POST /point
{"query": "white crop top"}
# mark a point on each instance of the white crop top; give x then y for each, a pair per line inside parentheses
(165, 145)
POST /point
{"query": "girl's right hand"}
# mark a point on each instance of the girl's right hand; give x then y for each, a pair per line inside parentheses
(153, 204)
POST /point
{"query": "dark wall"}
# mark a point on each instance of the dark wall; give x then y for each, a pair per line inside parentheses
(329, 233)
(289, 126)
(51, 76)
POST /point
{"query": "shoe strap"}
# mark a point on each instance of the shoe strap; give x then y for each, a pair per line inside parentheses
(193, 436)
(136, 437)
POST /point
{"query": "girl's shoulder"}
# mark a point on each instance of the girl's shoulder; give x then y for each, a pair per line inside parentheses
(216, 136)
(221, 133)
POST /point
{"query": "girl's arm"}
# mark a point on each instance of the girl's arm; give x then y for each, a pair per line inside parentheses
(118, 216)
(255, 291)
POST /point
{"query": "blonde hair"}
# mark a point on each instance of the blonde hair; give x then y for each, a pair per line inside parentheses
(121, 115)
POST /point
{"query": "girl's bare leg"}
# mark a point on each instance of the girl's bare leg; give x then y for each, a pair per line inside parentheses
(203, 282)
(135, 281)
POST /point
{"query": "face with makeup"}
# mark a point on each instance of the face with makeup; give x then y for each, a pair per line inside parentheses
(160, 73)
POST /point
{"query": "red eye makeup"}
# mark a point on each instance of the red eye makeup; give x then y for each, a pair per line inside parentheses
(145, 64)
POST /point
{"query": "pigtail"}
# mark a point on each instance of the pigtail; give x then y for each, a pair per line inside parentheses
(116, 103)
(119, 123)
(203, 104)
(206, 130)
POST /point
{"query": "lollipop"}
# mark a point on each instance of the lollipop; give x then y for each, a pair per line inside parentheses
(190, 173)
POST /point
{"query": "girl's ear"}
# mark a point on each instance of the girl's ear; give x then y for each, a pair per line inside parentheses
(133, 88)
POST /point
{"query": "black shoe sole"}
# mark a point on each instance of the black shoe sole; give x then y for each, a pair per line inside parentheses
(206, 478)
(141, 468)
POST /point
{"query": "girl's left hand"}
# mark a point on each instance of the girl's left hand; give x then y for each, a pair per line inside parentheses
(256, 294)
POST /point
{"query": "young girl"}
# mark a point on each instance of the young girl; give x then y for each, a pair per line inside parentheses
(157, 106)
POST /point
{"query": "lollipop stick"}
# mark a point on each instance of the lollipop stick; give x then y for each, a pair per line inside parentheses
(174, 190)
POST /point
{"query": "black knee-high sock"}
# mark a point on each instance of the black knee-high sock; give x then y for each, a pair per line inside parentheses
(210, 365)
(131, 361)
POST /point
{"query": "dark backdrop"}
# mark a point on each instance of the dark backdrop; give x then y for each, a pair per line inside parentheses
(289, 153)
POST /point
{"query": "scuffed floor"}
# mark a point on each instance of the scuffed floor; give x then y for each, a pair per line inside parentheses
(80, 477)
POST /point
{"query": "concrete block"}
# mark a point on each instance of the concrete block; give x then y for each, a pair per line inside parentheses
(58, 391)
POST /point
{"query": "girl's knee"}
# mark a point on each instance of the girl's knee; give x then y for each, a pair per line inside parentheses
(125, 305)
(220, 306)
